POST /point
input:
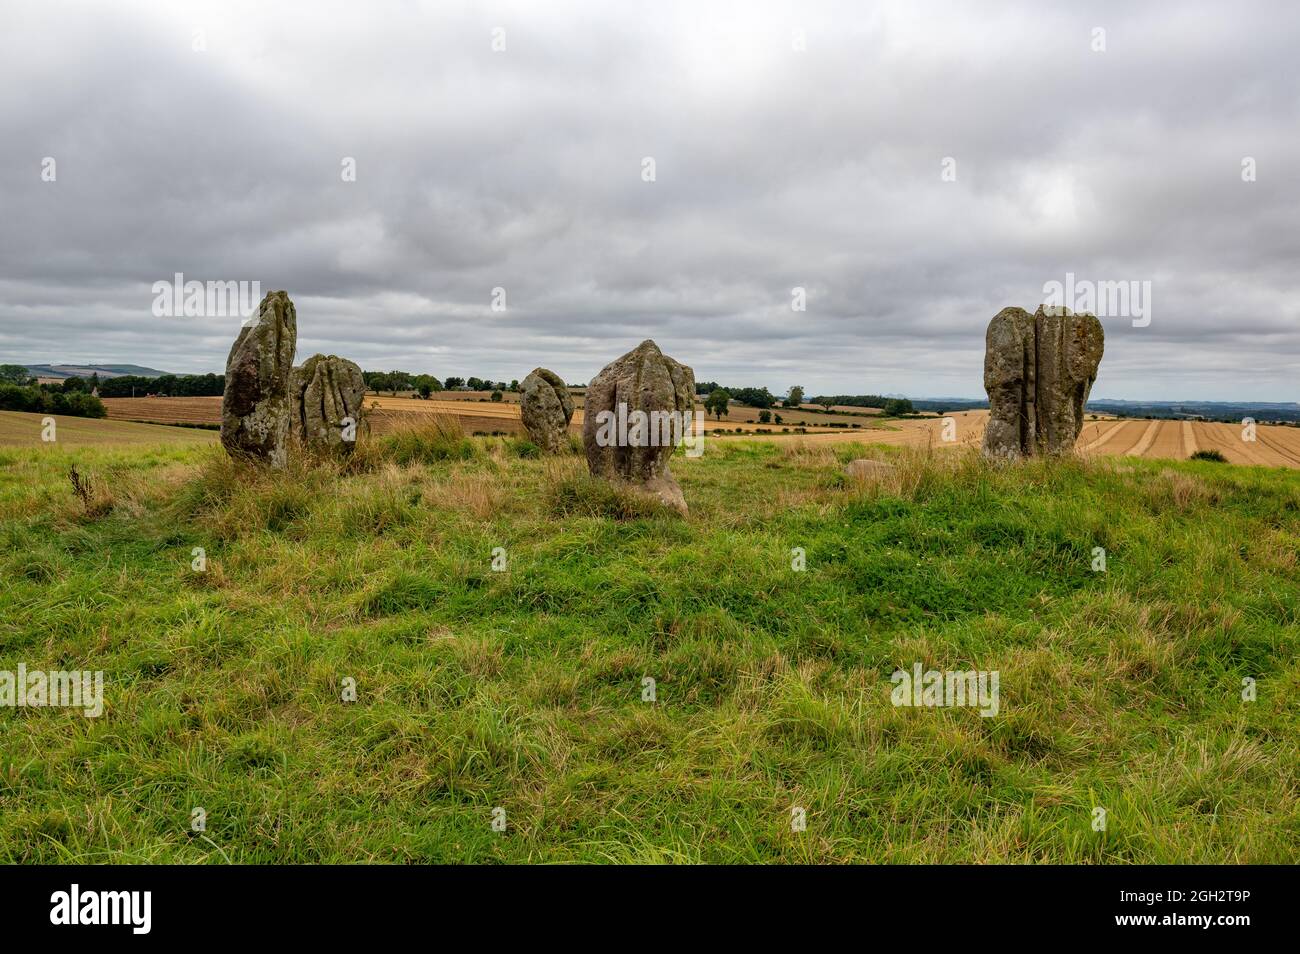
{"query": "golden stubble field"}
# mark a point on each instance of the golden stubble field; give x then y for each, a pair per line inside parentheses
(20, 429)
(474, 409)
(1274, 445)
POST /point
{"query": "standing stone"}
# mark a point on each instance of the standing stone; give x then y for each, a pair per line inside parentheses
(623, 445)
(255, 405)
(1009, 379)
(546, 407)
(1038, 372)
(327, 403)
(1069, 353)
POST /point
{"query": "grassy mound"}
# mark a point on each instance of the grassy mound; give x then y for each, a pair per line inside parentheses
(500, 616)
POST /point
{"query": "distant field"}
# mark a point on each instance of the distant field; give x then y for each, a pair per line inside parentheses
(475, 413)
(845, 408)
(19, 429)
(165, 410)
(1274, 446)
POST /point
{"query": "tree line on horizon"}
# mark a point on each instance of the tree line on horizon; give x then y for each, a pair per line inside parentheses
(716, 397)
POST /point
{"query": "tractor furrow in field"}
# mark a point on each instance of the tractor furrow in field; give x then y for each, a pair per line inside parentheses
(1096, 435)
(1145, 441)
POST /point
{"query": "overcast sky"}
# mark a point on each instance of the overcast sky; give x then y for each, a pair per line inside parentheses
(775, 167)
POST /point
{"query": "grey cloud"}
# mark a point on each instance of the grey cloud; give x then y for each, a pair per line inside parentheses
(775, 169)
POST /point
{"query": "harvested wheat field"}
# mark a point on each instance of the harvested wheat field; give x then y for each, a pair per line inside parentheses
(474, 414)
(21, 429)
(1274, 445)
(165, 410)
(489, 417)
(385, 412)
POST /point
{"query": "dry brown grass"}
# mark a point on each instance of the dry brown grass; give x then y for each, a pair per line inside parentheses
(467, 493)
(1178, 491)
(805, 454)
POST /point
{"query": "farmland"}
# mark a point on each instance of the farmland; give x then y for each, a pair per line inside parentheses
(474, 410)
(1274, 445)
(20, 429)
(166, 410)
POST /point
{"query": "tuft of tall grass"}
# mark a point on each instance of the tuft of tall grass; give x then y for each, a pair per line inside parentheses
(587, 496)
(427, 439)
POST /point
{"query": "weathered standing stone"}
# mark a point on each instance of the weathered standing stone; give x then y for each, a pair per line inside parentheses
(648, 381)
(1038, 371)
(1069, 353)
(1009, 378)
(546, 407)
(327, 403)
(255, 405)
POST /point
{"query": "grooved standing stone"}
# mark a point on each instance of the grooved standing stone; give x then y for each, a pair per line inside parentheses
(255, 405)
(1038, 371)
(546, 407)
(1010, 365)
(646, 380)
(327, 403)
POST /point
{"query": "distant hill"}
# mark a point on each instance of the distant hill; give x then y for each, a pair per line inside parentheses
(1207, 410)
(86, 370)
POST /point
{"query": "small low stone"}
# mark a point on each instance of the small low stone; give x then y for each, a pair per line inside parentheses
(546, 408)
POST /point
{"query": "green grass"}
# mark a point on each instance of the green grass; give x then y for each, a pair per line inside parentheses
(523, 689)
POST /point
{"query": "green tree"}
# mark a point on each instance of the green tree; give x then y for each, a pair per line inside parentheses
(14, 374)
(795, 398)
(765, 417)
(754, 397)
(497, 395)
(716, 403)
(426, 384)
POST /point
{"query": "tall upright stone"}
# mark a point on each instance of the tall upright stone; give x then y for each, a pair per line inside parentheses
(1069, 353)
(546, 407)
(1038, 372)
(1010, 370)
(327, 403)
(635, 412)
(255, 405)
